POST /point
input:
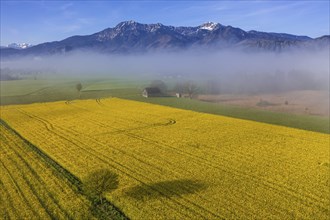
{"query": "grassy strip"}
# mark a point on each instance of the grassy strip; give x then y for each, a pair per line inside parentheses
(101, 210)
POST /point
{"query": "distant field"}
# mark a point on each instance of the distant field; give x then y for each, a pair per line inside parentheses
(113, 84)
(35, 91)
(32, 91)
(30, 187)
(306, 122)
(22, 87)
(304, 102)
(178, 164)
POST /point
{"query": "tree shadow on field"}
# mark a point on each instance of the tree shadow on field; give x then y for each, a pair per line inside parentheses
(165, 189)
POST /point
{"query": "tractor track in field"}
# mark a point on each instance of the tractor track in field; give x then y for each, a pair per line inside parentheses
(75, 181)
(170, 121)
(29, 93)
(279, 188)
(98, 155)
(41, 183)
(137, 137)
(106, 160)
(119, 131)
(98, 101)
(9, 200)
(18, 188)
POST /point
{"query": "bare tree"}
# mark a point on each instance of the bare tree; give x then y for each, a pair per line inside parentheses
(188, 87)
(179, 87)
(191, 88)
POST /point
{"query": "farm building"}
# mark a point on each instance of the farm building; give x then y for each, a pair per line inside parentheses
(151, 92)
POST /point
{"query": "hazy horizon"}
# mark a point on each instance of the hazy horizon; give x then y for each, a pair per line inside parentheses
(253, 71)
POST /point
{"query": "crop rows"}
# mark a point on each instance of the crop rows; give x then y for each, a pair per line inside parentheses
(30, 189)
(176, 164)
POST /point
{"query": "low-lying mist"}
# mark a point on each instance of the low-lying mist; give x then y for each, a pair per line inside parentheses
(232, 72)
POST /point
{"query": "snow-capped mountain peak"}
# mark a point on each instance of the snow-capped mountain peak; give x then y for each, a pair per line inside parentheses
(210, 26)
(19, 45)
(133, 37)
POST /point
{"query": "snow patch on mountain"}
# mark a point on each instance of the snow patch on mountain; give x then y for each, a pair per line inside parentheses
(210, 26)
(19, 45)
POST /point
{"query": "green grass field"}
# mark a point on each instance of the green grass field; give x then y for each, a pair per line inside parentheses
(32, 91)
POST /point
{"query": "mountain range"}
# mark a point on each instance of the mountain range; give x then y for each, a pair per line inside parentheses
(134, 37)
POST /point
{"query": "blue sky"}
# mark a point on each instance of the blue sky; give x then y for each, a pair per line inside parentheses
(41, 21)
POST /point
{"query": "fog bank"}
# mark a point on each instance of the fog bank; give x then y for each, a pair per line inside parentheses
(228, 71)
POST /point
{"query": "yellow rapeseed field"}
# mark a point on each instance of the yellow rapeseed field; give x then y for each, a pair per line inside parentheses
(178, 164)
(28, 187)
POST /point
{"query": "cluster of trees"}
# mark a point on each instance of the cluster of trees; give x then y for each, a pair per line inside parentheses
(189, 87)
(251, 82)
(160, 85)
(8, 74)
(7, 77)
